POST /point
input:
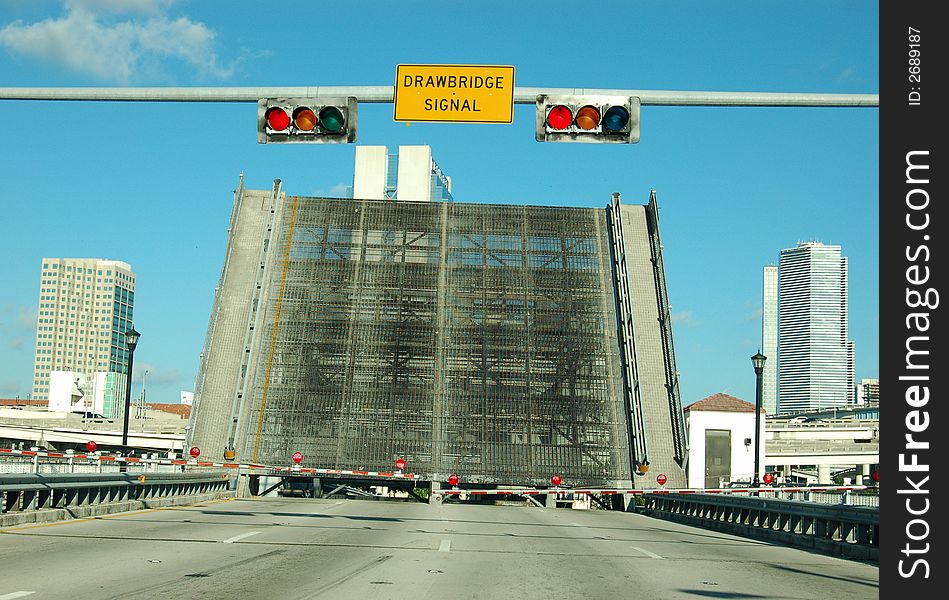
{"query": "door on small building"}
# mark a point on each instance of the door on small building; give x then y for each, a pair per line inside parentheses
(718, 453)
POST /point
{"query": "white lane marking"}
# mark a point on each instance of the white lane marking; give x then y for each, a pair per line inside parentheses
(445, 546)
(646, 552)
(13, 595)
(577, 525)
(239, 537)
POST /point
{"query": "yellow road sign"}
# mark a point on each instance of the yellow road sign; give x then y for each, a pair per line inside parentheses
(454, 93)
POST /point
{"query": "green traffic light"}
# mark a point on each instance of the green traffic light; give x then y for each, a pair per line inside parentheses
(331, 118)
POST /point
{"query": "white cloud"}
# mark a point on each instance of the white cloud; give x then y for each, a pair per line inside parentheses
(341, 190)
(155, 375)
(120, 6)
(753, 315)
(8, 388)
(17, 325)
(26, 317)
(90, 39)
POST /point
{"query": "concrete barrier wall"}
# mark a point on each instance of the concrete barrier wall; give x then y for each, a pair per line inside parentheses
(51, 515)
(847, 531)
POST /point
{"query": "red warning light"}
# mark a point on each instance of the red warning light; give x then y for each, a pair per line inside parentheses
(559, 117)
(661, 479)
(875, 476)
(297, 457)
(195, 452)
(400, 463)
(277, 119)
(91, 446)
(452, 479)
(556, 479)
(768, 478)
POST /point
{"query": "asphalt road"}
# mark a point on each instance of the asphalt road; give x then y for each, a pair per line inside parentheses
(270, 548)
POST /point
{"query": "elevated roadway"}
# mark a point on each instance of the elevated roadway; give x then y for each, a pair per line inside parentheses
(296, 548)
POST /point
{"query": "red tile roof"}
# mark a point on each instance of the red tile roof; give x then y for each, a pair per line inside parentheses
(22, 402)
(723, 403)
(182, 410)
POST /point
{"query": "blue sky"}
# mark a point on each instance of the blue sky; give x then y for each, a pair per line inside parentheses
(151, 183)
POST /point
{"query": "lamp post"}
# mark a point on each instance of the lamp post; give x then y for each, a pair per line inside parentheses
(140, 413)
(758, 361)
(131, 340)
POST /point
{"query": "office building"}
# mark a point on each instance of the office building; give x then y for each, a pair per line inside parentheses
(868, 392)
(769, 339)
(410, 174)
(85, 307)
(815, 358)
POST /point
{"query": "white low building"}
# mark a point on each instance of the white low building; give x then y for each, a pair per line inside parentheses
(73, 392)
(722, 440)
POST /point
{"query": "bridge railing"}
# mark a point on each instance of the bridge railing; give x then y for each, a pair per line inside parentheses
(849, 498)
(851, 531)
(24, 492)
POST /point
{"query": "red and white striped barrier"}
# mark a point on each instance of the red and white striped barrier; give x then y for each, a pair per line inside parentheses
(639, 492)
(201, 463)
(412, 476)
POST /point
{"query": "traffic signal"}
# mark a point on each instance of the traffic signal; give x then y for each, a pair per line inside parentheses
(596, 119)
(306, 120)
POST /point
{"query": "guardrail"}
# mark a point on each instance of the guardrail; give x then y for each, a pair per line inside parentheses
(37, 491)
(851, 531)
(848, 498)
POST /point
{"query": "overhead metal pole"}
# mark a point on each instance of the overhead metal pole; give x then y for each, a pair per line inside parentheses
(385, 94)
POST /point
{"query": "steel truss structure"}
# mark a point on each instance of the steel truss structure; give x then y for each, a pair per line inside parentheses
(475, 339)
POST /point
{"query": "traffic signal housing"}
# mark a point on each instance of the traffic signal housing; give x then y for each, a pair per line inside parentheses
(306, 120)
(592, 119)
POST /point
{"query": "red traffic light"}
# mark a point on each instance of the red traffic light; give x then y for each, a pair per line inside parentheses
(91, 446)
(400, 463)
(559, 117)
(661, 479)
(277, 119)
(875, 476)
(587, 118)
(306, 120)
(453, 479)
(768, 478)
(556, 479)
(297, 457)
(195, 452)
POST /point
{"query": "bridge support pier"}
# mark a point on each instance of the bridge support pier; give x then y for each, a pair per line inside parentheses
(624, 502)
(863, 471)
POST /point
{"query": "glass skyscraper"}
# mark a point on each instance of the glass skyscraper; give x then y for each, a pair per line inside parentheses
(815, 358)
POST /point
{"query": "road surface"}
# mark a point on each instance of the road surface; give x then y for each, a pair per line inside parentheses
(286, 548)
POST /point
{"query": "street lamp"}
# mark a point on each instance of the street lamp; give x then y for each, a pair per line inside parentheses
(131, 340)
(758, 361)
(140, 413)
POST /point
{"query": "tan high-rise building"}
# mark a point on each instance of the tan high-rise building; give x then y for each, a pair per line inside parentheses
(85, 308)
